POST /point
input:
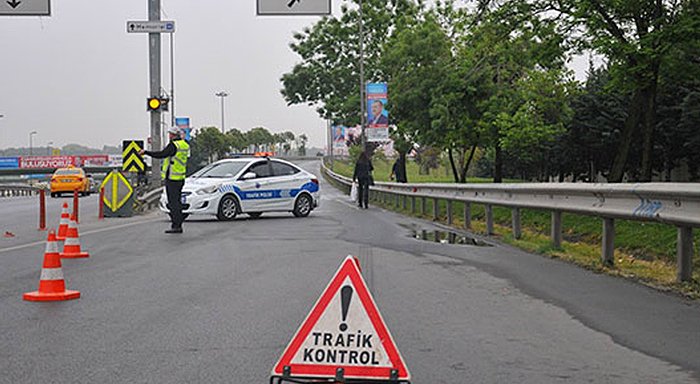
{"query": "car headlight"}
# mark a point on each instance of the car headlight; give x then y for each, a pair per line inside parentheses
(207, 190)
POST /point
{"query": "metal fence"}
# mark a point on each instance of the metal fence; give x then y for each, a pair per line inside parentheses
(676, 204)
(11, 190)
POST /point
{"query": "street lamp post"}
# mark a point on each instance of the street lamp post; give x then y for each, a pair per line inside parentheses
(48, 148)
(31, 134)
(222, 95)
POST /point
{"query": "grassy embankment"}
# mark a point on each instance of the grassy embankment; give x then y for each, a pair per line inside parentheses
(645, 252)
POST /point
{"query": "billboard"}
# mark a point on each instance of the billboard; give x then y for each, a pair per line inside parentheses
(184, 124)
(377, 116)
(46, 161)
(339, 136)
(9, 162)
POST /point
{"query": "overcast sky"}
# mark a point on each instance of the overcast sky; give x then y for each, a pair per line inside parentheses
(78, 77)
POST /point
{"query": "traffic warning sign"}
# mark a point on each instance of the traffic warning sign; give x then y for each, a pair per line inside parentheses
(343, 337)
(118, 195)
(132, 161)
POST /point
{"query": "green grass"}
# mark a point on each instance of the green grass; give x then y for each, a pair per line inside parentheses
(645, 252)
(382, 170)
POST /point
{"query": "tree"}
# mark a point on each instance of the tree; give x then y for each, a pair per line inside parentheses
(637, 38)
(328, 75)
(301, 144)
(258, 137)
(236, 140)
(211, 144)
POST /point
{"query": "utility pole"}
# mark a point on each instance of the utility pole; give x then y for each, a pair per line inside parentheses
(363, 113)
(154, 72)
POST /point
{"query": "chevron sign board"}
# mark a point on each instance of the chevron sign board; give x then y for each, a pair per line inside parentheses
(132, 161)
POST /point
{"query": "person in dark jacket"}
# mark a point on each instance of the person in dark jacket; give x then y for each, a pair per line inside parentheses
(363, 175)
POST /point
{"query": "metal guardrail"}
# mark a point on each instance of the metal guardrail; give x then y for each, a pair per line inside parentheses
(149, 199)
(676, 204)
(11, 190)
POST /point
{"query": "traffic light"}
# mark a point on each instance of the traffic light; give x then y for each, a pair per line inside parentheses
(154, 104)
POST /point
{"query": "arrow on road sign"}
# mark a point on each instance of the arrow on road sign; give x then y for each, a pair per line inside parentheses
(344, 334)
(14, 3)
(291, 3)
(132, 161)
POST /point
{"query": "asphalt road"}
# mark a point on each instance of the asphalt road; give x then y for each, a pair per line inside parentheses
(219, 303)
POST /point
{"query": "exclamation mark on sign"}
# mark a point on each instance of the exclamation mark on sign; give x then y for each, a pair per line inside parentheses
(345, 297)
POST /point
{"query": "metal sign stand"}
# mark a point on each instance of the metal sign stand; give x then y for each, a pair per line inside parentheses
(339, 378)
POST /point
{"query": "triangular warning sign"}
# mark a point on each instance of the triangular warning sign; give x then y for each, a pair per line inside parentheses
(343, 330)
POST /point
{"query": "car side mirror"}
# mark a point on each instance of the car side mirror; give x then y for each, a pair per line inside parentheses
(249, 175)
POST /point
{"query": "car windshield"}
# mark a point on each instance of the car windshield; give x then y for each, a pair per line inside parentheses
(68, 172)
(225, 169)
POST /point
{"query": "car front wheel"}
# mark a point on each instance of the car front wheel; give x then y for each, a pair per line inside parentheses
(228, 208)
(302, 207)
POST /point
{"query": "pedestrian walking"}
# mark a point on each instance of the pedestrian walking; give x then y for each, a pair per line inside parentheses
(398, 172)
(363, 175)
(173, 173)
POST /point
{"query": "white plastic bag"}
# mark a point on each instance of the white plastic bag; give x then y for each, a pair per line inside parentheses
(353, 192)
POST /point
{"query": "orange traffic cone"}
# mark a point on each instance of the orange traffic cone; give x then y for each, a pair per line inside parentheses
(52, 287)
(63, 226)
(71, 246)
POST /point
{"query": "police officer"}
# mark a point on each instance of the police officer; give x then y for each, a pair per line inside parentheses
(173, 172)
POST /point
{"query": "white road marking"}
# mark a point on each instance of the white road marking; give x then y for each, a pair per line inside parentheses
(22, 246)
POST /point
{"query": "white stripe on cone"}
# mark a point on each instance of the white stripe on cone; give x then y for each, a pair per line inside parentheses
(71, 241)
(51, 247)
(51, 274)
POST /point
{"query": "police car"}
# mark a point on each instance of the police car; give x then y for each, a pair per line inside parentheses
(251, 186)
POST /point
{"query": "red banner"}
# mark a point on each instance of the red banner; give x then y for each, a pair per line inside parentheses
(91, 160)
(46, 161)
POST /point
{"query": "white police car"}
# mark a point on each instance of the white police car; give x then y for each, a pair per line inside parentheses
(248, 185)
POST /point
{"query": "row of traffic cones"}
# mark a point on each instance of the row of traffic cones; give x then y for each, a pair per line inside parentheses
(52, 286)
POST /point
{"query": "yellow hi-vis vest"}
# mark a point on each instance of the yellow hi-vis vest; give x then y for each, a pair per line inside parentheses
(176, 164)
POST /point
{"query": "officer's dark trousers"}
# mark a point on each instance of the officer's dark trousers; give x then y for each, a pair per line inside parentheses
(174, 189)
(363, 191)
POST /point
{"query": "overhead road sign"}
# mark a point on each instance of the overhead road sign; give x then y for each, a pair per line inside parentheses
(294, 7)
(132, 161)
(343, 337)
(150, 26)
(25, 8)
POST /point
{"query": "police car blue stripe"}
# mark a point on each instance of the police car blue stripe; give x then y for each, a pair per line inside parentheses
(268, 194)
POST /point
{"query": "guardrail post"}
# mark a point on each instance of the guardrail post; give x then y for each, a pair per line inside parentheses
(42, 210)
(75, 205)
(489, 219)
(413, 204)
(556, 229)
(100, 205)
(449, 212)
(403, 201)
(424, 206)
(684, 248)
(397, 197)
(517, 230)
(608, 255)
(436, 209)
(467, 215)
